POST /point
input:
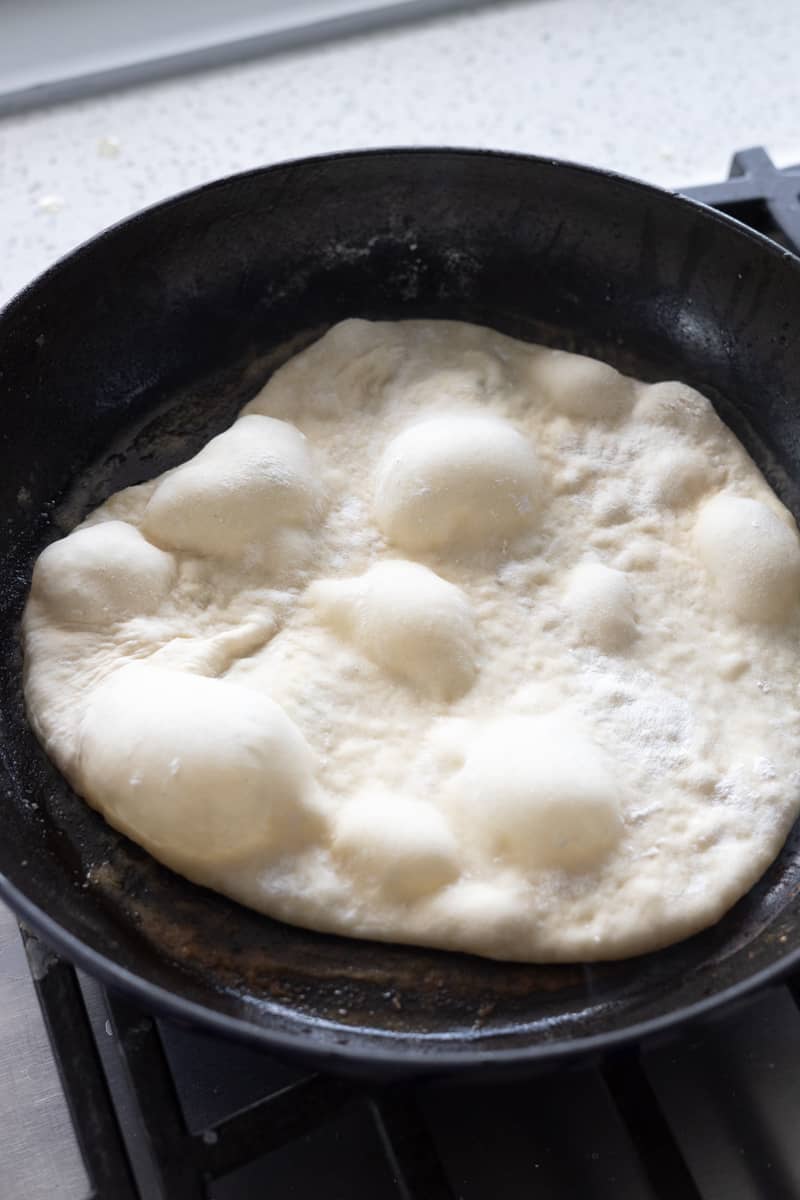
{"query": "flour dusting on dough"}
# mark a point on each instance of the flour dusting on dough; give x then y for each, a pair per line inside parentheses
(450, 640)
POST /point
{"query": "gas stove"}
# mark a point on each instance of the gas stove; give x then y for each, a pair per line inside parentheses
(162, 1112)
(168, 1113)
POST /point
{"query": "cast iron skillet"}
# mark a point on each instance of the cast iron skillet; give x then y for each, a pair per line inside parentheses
(123, 359)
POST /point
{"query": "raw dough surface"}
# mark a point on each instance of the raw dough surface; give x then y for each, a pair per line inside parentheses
(449, 640)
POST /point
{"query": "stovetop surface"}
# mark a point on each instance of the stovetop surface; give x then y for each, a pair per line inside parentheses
(707, 1113)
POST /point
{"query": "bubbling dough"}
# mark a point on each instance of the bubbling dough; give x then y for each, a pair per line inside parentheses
(236, 497)
(674, 405)
(409, 621)
(448, 640)
(495, 911)
(464, 480)
(752, 555)
(395, 845)
(541, 794)
(102, 574)
(678, 475)
(581, 387)
(199, 771)
(600, 600)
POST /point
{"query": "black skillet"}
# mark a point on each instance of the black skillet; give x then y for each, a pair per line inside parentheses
(124, 358)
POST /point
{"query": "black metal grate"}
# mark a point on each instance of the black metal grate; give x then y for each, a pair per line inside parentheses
(760, 194)
(709, 1113)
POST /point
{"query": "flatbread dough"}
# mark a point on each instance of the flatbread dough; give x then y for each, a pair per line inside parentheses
(449, 640)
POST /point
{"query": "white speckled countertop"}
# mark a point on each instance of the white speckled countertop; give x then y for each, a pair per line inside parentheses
(662, 89)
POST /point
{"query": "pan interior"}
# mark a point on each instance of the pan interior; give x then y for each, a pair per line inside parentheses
(127, 358)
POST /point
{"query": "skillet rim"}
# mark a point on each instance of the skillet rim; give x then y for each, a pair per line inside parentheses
(385, 1054)
(372, 1052)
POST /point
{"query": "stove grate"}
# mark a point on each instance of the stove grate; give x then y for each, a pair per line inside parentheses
(758, 193)
(707, 1113)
